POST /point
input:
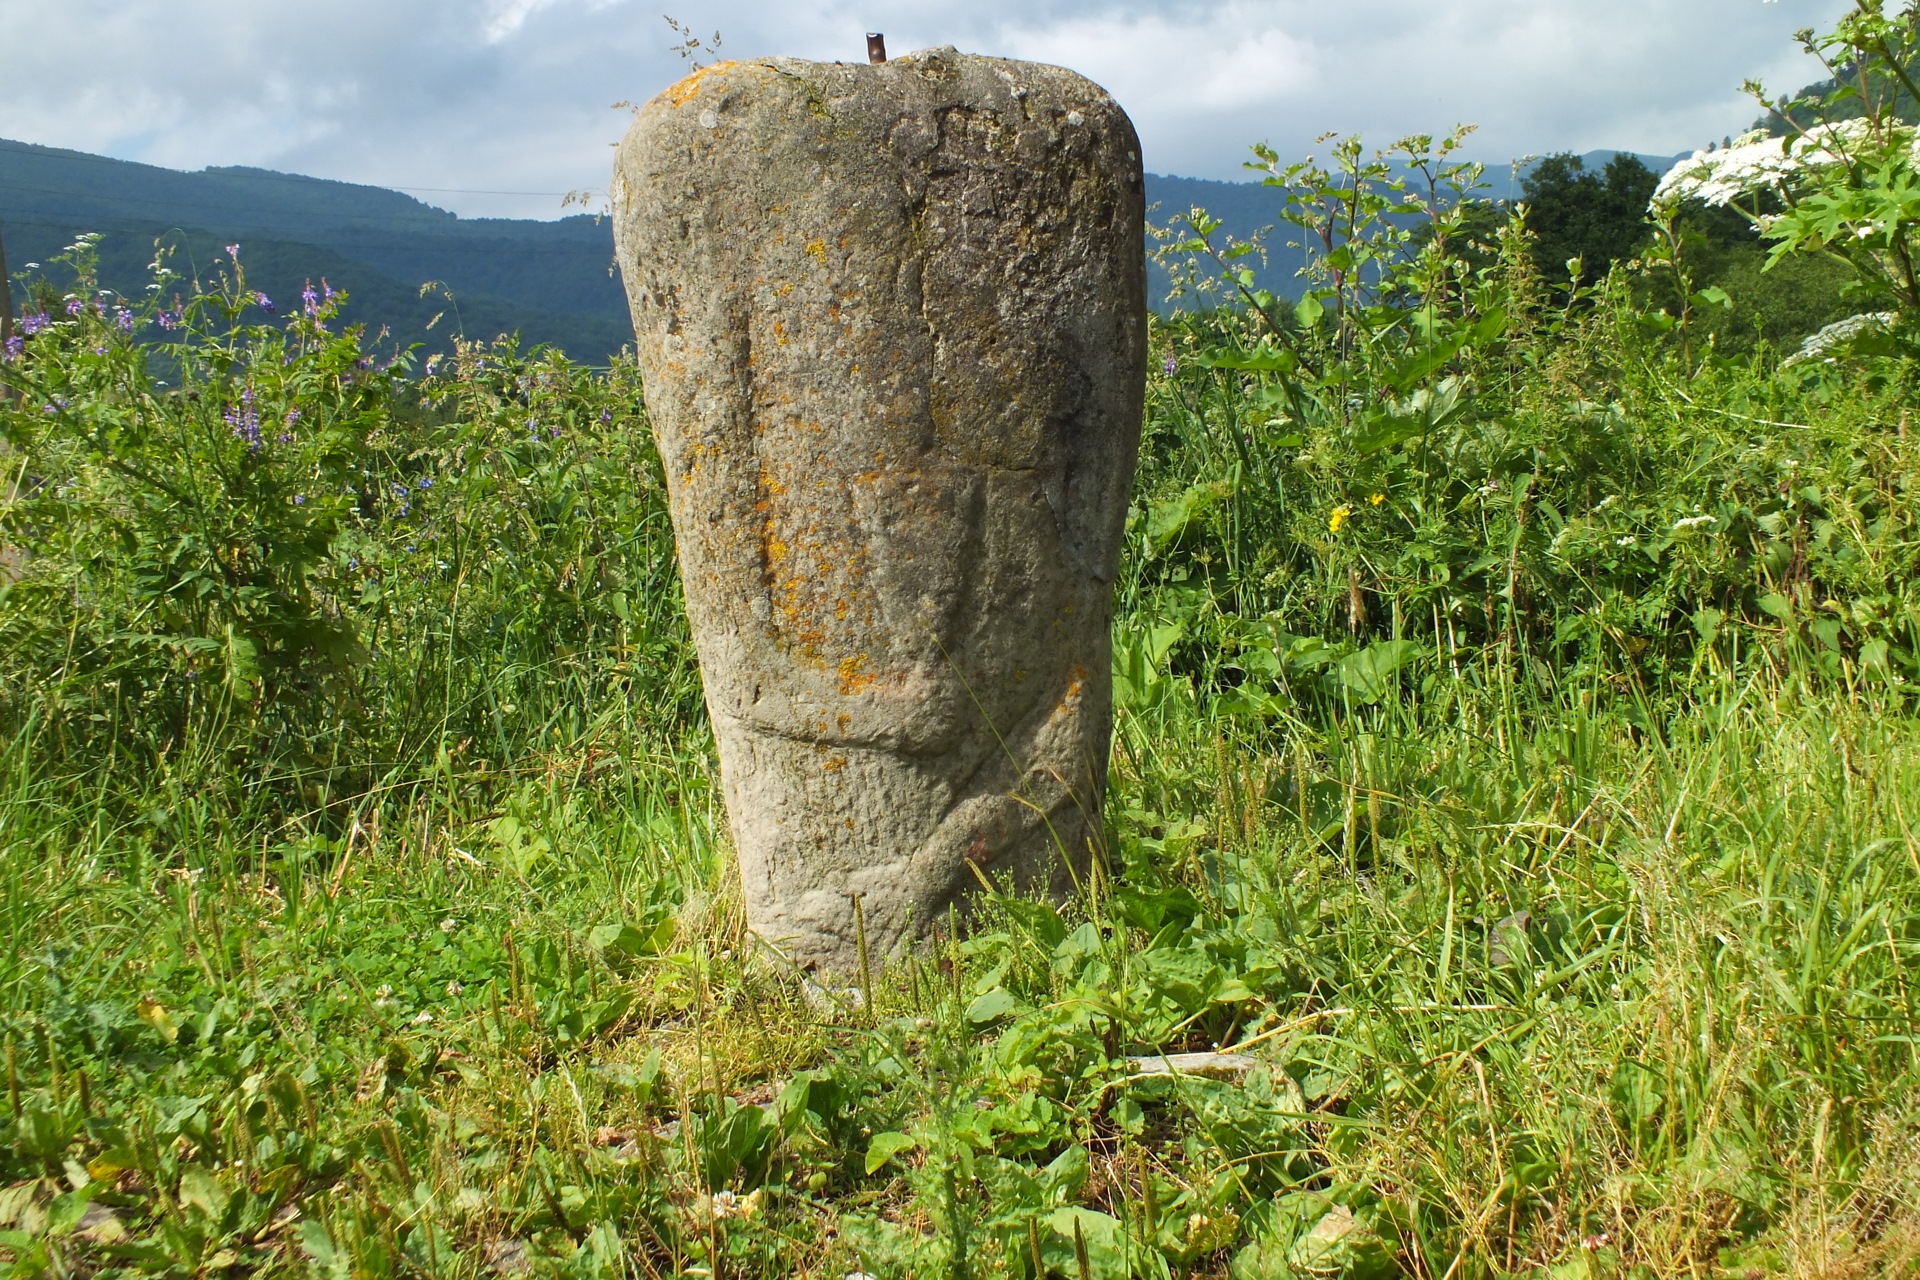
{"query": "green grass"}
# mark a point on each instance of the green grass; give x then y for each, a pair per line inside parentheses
(1516, 754)
(1530, 987)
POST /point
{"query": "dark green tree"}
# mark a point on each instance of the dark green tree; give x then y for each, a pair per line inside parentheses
(1598, 218)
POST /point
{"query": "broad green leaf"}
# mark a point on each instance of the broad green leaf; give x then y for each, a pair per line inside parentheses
(1366, 676)
(994, 1005)
(885, 1147)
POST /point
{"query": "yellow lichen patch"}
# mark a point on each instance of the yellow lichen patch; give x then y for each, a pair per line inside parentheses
(852, 679)
(817, 249)
(679, 91)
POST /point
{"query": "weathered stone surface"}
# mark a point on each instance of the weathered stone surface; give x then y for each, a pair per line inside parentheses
(1212, 1066)
(891, 326)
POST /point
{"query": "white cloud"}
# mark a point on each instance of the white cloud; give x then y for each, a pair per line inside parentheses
(512, 95)
(1233, 58)
(510, 16)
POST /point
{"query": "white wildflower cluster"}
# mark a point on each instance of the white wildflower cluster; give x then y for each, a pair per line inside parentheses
(1693, 522)
(1755, 162)
(1817, 346)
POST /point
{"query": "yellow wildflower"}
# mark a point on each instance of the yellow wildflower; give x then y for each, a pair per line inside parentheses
(1341, 514)
(1377, 499)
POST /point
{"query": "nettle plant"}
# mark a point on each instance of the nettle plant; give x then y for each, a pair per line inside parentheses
(1430, 458)
(184, 468)
(269, 543)
(1371, 354)
(1325, 420)
(1840, 178)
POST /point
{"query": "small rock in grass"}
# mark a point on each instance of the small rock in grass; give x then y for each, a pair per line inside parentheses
(1231, 1067)
(508, 1258)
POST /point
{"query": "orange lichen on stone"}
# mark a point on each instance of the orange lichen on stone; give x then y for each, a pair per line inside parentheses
(680, 90)
(852, 679)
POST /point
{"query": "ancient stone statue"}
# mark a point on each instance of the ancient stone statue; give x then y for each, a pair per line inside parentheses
(891, 326)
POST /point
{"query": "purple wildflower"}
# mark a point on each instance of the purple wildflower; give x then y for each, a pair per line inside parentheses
(14, 344)
(244, 418)
(606, 416)
(309, 299)
(1171, 365)
(299, 499)
(169, 319)
(34, 323)
(326, 290)
(75, 306)
(266, 303)
(123, 318)
(99, 351)
(426, 483)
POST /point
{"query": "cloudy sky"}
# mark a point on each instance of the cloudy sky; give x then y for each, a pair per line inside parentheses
(498, 106)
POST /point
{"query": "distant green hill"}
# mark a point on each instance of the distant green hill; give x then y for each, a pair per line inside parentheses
(549, 281)
(1245, 207)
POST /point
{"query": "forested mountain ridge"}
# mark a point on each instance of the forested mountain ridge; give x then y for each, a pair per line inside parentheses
(550, 281)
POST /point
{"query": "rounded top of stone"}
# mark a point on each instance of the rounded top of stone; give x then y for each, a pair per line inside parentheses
(943, 68)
